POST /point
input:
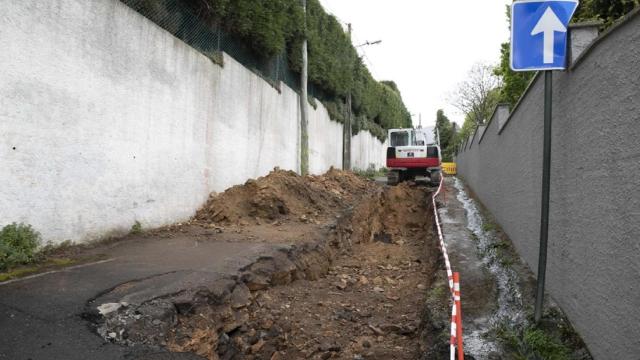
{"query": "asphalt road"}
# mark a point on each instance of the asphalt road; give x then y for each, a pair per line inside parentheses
(43, 318)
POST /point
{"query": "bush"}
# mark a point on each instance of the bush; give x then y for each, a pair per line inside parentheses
(136, 228)
(371, 173)
(545, 346)
(18, 245)
(361, 123)
(531, 342)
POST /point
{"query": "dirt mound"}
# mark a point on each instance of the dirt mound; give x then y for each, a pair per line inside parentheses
(390, 215)
(283, 195)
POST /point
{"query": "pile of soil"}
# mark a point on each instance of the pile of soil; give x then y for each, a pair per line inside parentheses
(283, 195)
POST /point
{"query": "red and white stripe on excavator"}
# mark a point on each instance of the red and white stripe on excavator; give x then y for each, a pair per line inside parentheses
(454, 285)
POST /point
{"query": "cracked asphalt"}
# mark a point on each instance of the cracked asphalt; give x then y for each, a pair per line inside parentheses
(45, 317)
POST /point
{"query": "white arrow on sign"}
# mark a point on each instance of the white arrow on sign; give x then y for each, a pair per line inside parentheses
(548, 24)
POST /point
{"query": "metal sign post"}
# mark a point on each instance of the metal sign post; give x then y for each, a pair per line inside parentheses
(539, 43)
(546, 187)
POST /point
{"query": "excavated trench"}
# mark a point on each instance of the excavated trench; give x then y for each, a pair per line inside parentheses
(358, 294)
(365, 286)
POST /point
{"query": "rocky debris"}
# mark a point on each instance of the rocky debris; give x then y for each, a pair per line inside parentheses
(376, 330)
(108, 308)
(145, 324)
(203, 320)
(216, 228)
(346, 296)
(240, 297)
(283, 195)
(364, 306)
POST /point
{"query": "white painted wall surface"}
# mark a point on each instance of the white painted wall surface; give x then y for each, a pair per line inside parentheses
(114, 120)
(367, 151)
(325, 141)
(107, 116)
(252, 128)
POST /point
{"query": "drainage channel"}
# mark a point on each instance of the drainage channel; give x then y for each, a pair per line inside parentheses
(510, 304)
(498, 332)
(490, 290)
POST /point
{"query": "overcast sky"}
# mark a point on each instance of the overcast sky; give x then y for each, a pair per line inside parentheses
(427, 46)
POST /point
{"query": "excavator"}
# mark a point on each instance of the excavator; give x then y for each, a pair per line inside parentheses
(413, 152)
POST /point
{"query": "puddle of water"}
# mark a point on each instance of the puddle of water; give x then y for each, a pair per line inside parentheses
(510, 305)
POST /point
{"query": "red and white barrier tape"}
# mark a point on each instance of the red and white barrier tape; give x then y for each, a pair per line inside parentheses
(454, 285)
(443, 246)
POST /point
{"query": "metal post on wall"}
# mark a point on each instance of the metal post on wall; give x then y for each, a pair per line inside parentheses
(546, 187)
(346, 136)
(304, 107)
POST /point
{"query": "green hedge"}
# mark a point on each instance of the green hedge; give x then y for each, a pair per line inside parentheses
(273, 26)
(18, 245)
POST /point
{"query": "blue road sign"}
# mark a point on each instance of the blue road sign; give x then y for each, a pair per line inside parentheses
(539, 34)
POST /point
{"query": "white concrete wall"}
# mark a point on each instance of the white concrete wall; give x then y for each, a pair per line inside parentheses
(367, 151)
(102, 119)
(106, 119)
(325, 141)
(252, 128)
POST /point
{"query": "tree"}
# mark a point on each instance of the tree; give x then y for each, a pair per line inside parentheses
(513, 83)
(445, 133)
(468, 127)
(443, 128)
(391, 84)
(606, 10)
(477, 96)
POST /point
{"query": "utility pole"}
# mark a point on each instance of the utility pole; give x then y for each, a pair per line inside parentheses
(304, 106)
(346, 132)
